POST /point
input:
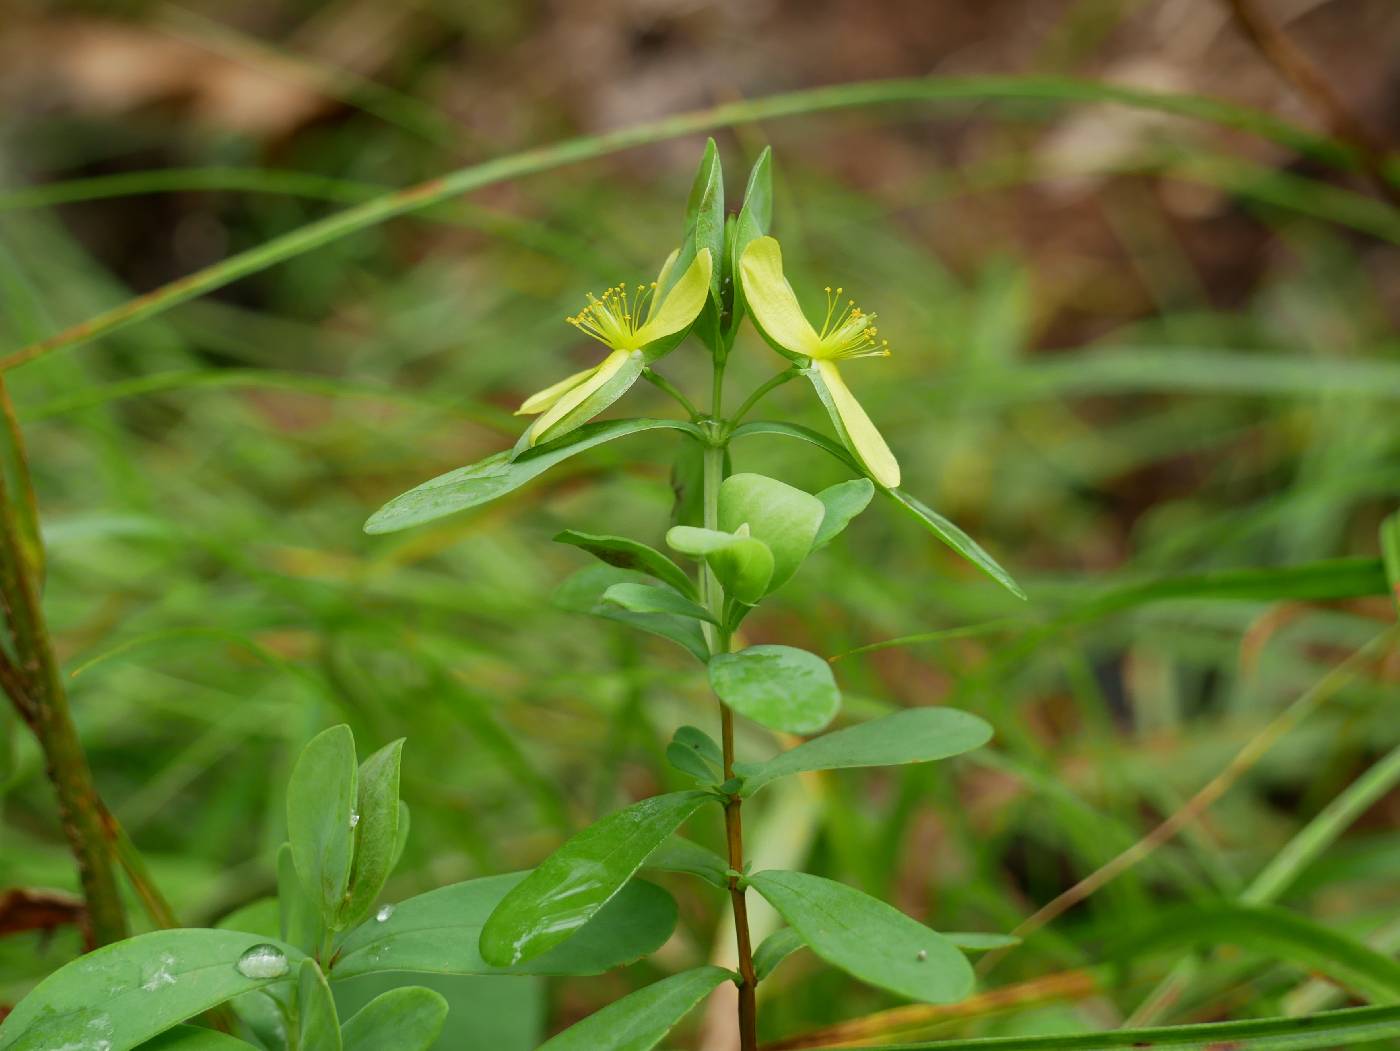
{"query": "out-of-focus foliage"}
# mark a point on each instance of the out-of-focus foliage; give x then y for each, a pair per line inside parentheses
(1125, 347)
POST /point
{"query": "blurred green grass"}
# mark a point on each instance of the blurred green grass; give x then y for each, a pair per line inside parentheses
(1097, 408)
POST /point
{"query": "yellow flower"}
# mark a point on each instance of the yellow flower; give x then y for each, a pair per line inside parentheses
(637, 326)
(847, 332)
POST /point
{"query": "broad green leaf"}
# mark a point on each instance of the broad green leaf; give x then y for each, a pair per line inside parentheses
(318, 1028)
(780, 687)
(955, 538)
(1327, 1031)
(978, 941)
(866, 938)
(321, 801)
(842, 502)
(376, 831)
(623, 553)
(583, 593)
(702, 744)
(499, 474)
(776, 948)
(916, 735)
(190, 1038)
(653, 598)
(786, 519)
(406, 1019)
(579, 878)
(129, 991)
(299, 917)
(683, 855)
(742, 564)
(1280, 935)
(438, 933)
(640, 1020)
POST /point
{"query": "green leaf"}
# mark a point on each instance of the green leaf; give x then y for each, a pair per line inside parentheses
(190, 1038)
(638, 1021)
(438, 933)
(866, 938)
(1278, 934)
(742, 564)
(704, 214)
(623, 553)
(406, 1019)
(1330, 1030)
(803, 434)
(376, 831)
(1390, 554)
(687, 856)
(955, 538)
(702, 744)
(583, 593)
(579, 878)
(318, 1028)
(780, 687)
(499, 474)
(841, 503)
(131, 990)
(401, 839)
(978, 941)
(654, 598)
(754, 220)
(776, 948)
(299, 917)
(916, 735)
(259, 916)
(687, 762)
(321, 800)
(786, 519)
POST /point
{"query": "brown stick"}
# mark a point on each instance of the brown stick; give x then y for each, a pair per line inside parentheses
(42, 700)
(734, 837)
(1295, 67)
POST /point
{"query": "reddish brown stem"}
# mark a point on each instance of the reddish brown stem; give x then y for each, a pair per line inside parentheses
(734, 836)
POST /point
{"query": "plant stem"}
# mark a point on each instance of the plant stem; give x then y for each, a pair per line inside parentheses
(660, 382)
(44, 706)
(753, 399)
(719, 639)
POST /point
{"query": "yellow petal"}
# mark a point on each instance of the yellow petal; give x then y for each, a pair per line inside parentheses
(541, 400)
(572, 399)
(683, 302)
(666, 269)
(865, 440)
(771, 299)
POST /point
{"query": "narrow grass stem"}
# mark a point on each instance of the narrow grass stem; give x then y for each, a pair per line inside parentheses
(661, 383)
(754, 398)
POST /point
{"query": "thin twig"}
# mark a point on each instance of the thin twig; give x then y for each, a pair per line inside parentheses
(1295, 67)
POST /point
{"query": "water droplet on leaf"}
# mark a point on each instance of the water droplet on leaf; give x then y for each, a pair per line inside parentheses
(384, 913)
(263, 961)
(922, 955)
(354, 818)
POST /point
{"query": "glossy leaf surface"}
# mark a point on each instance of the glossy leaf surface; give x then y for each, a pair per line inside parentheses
(780, 687)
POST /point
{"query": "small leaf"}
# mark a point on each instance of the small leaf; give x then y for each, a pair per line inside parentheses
(704, 213)
(501, 473)
(583, 593)
(776, 948)
(690, 764)
(1390, 554)
(780, 687)
(376, 831)
(754, 220)
(866, 938)
(318, 1029)
(438, 933)
(842, 502)
(702, 744)
(581, 877)
(134, 989)
(977, 941)
(684, 855)
(321, 801)
(916, 735)
(640, 1020)
(623, 553)
(405, 1019)
(785, 518)
(742, 564)
(653, 598)
(401, 839)
(955, 538)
